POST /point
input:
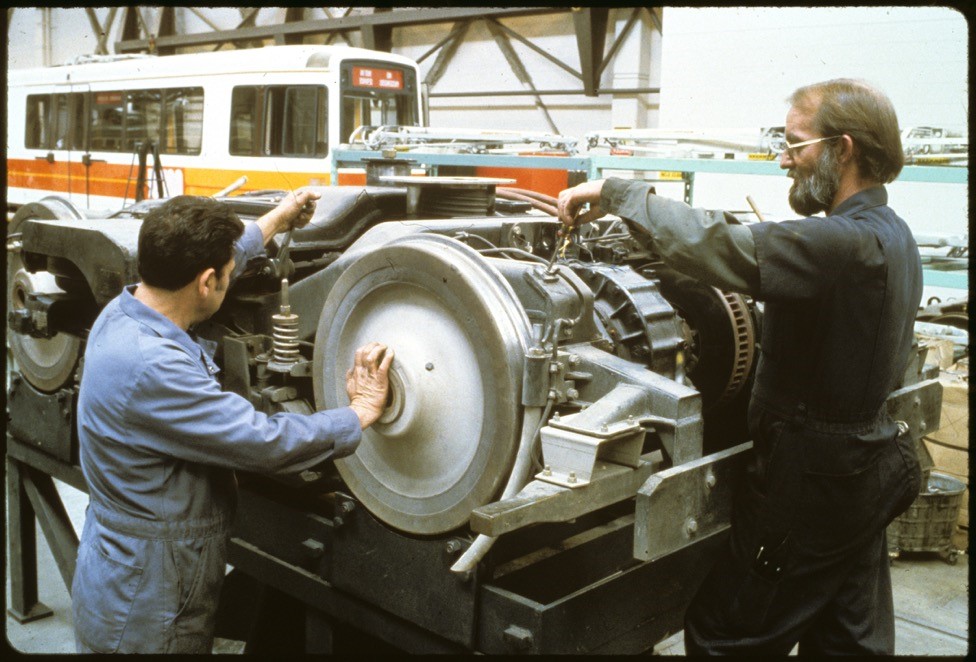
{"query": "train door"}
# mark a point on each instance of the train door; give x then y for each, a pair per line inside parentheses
(71, 104)
(42, 170)
(57, 128)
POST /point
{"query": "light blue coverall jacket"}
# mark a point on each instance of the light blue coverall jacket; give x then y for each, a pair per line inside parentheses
(159, 443)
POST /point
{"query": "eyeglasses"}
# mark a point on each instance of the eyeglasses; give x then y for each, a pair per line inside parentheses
(782, 145)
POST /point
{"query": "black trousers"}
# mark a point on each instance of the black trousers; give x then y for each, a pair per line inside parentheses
(807, 560)
(838, 609)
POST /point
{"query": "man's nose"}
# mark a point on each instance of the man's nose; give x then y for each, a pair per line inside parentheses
(785, 160)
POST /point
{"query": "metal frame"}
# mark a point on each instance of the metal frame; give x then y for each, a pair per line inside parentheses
(379, 23)
(354, 158)
(680, 169)
(31, 494)
(319, 564)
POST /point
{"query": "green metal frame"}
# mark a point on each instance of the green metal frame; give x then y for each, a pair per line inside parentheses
(596, 165)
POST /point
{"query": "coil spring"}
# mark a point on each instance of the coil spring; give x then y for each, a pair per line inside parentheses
(284, 348)
(285, 337)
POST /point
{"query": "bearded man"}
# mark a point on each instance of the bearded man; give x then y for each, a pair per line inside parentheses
(807, 560)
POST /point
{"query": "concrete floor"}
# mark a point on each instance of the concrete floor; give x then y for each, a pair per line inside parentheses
(931, 603)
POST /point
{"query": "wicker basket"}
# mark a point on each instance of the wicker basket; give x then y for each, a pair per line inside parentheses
(928, 524)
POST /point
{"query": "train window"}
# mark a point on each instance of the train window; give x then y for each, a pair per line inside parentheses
(181, 124)
(376, 94)
(373, 110)
(184, 113)
(141, 118)
(106, 113)
(279, 121)
(55, 121)
(79, 120)
(38, 107)
(172, 119)
(244, 113)
(60, 122)
(305, 131)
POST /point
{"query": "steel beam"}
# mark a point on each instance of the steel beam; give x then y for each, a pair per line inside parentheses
(591, 33)
(26, 454)
(556, 61)
(292, 15)
(392, 19)
(618, 42)
(450, 45)
(22, 537)
(519, 70)
(54, 521)
(130, 28)
(378, 37)
(100, 33)
(167, 22)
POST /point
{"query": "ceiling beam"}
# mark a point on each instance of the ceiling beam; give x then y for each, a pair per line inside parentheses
(377, 22)
(591, 35)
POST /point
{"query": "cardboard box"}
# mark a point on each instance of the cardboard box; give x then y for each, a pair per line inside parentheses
(954, 424)
(940, 351)
(948, 459)
(949, 445)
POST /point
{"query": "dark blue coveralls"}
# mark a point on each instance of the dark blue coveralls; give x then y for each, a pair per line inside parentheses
(807, 559)
(159, 443)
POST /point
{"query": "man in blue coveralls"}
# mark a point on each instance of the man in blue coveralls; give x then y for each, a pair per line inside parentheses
(159, 439)
(807, 558)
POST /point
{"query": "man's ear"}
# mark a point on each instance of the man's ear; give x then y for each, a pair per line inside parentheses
(206, 281)
(847, 149)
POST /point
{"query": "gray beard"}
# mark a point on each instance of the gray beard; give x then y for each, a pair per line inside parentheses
(815, 193)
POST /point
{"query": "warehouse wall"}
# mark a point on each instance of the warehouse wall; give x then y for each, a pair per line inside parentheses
(717, 68)
(917, 55)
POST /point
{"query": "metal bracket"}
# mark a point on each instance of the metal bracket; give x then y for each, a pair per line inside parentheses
(548, 502)
(571, 453)
(681, 505)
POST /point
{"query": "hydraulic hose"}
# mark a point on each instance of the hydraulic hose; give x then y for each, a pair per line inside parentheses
(546, 204)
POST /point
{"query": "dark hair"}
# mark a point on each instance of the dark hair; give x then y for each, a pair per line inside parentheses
(854, 107)
(184, 236)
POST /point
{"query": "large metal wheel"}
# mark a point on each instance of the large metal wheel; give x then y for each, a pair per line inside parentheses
(47, 363)
(447, 441)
